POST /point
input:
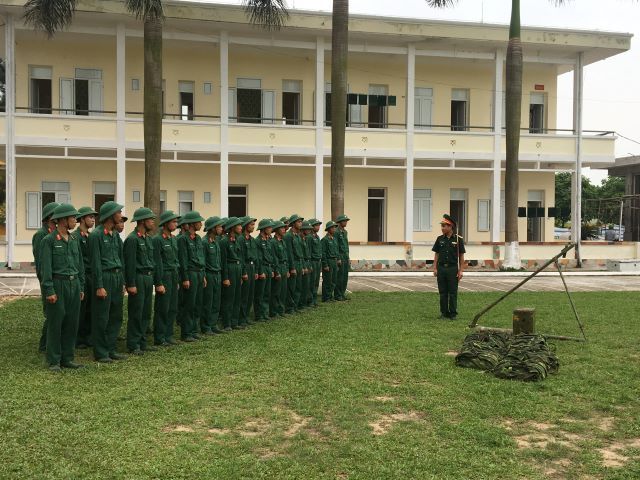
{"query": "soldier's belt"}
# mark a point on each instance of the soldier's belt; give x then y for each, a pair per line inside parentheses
(68, 278)
(211, 270)
(145, 272)
(233, 262)
(196, 270)
(250, 262)
(112, 270)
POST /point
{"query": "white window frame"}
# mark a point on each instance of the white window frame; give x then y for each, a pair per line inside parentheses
(422, 204)
(484, 226)
(95, 191)
(180, 200)
(419, 123)
(33, 76)
(63, 195)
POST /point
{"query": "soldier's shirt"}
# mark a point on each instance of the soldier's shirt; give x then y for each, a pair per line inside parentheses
(35, 246)
(190, 254)
(342, 238)
(230, 253)
(448, 249)
(211, 254)
(295, 249)
(165, 252)
(249, 246)
(83, 241)
(279, 249)
(138, 256)
(105, 253)
(315, 249)
(266, 257)
(329, 249)
(60, 257)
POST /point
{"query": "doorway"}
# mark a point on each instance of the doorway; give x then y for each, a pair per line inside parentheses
(535, 215)
(458, 209)
(376, 215)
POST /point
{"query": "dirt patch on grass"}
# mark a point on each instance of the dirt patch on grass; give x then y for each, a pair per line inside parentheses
(219, 431)
(451, 353)
(254, 428)
(298, 423)
(8, 299)
(616, 454)
(384, 398)
(178, 429)
(384, 423)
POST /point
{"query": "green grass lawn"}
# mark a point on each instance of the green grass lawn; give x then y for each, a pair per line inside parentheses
(360, 390)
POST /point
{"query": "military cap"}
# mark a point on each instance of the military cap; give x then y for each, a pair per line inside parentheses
(265, 223)
(167, 217)
(278, 224)
(143, 213)
(84, 211)
(448, 220)
(330, 224)
(232, 222)
(294, 218)
(314, 221)
(48, 209)
(192, 217)
(64, 210)
(247, 220)
(306, 226)
(342, 218)
(109, 209)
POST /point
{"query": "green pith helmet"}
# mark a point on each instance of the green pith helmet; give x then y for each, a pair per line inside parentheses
(247, 220)
(84, 211)
(314, 221)
(294, 218)
(48, 210)
(108, 209)
(232, 222)
(167, 217)
(342, 218)
(210, 223)
(142, 213)
(278, 224)
(329, 225)
(192, 217)
(306, 226)
(64, 210)
(265, 223)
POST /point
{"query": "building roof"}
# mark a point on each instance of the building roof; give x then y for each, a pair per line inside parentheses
(625, 165)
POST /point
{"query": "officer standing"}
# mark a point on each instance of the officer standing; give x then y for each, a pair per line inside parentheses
(249, 247)
(86, 220)
(295, 259)
(266, 265)
(279, 286)
(191, 258)
(139, 270)
(47, 227)
(108, 282)
(315, 248)
(62, 270)
(165, 252)
(211, 296)
(330, 262)
(448, 266)
(342, 238)
(232, 273)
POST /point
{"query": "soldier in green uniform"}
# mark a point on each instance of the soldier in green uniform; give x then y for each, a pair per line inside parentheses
(62, 271)
(307, 272)
(105, 247)
(315, 251)
(448, 266)
(191, 258)
(211, 296)
(182, 229)
(165, 252)
(342, 238)
(232, 273)
(86, 220)
(295, 259)
(47, 227)
(265, 265)
(285, 220)
(120, 226)
(249, 247)
(330, 262)
(279, 290)
(139, 276)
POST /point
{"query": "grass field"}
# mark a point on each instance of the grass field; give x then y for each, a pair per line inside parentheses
(364, 389)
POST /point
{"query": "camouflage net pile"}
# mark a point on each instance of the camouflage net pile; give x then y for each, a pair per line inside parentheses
(520, 357)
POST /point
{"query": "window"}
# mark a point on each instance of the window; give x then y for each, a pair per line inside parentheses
(502, 211)
(327, 104)
(207, 88)
(206, 198)
(186, 100)
(103, 192)
(537, 120)
(423, 102)
(459, 109)
(535, 215)
(484, 215)
(185, 202)
(49, 192)
(249, 100)
(40, 89)
(135, 197)
(3, 100)
(237, 200)
(458, 209)
(378, 106)
(83, 94)
(291, 101)
(135, 84)
(163, 201)
(422, 210)
(376, 215)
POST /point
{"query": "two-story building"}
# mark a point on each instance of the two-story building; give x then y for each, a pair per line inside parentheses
(246, 130)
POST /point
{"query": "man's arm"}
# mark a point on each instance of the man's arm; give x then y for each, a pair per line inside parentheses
(130, 254)
(96, 262)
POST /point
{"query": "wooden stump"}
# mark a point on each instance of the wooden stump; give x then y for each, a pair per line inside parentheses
(524, 321)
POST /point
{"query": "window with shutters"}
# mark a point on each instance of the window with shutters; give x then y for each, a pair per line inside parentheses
(187, 106)
(423, 102)
(185, 202)
(484, 215)
(49, 192)
(237, 200)
(40, 89)
(459, 109)
(83, 94)
(422, 210)
(292, 102)
(104, 192)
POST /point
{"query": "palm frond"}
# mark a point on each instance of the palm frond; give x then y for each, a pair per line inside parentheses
(441, 3)
(49, 15)
(269, 14)
(145, 9)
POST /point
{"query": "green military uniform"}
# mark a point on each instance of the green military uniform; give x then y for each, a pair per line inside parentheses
(295, 260)
(307, 277)
(180, 290)
(105, 249)
(232, 270)
(42, 232)
(62, 270)
(342, 237)
(212, 293)
(266, 265)
(165, 252)
(448, 248)
(249, 247)
(139, 271)
(330, 258)
(315, 252)
(279, 290)
(191, 258)
(84, 324)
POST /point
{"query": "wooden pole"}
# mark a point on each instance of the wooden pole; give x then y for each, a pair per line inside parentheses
(573, 306)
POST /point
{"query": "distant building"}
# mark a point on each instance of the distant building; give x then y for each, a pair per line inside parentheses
(629, 169)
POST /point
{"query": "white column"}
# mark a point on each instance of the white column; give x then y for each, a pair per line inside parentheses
(497, 147)
(121, 163)
(10, 105)
(408, 179)
(319, 119)
(576, 186)
(224, 124)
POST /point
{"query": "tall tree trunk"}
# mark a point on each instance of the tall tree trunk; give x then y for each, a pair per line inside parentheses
(152, 112)
(339, 56)
(513, 121)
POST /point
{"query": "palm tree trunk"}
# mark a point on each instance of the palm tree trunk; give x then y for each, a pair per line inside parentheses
(513, 121)
(339, 55)
(152, 112)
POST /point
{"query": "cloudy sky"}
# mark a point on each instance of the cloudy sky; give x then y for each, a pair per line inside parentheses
(612, 87)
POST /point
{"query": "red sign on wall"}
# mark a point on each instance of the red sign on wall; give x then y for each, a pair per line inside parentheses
(539, 86)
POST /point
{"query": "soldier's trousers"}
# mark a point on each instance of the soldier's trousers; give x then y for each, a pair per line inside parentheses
(211, 297)
(192, 298)
(248, 294)
(448, 289)
(279, 293)
(62, 322)
(329, 280)
(293, 286)
(84, 321)
(231, 296)
(42, 346)
(343, 278)
(262, 300)
(139, 308)
(107, 315)
(305, 281)
(315, 281)
(166, 309)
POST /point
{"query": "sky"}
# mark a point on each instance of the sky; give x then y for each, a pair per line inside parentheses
(612, 86)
